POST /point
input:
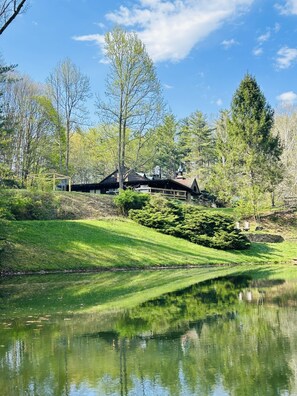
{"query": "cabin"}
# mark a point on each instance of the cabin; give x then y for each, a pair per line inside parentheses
(178, 188)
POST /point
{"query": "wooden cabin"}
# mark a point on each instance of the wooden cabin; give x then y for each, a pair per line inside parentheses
(178, 188)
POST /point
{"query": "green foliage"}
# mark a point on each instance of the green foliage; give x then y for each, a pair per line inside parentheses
(197, 141)
(189, 222)
(249, 154)
(28, 205)
(129, 199)
(160, 213)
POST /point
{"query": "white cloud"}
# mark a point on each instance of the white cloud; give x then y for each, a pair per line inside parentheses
(286, 98)
(229, 43)
(170, 29)
(258, 51)
(264, 37)
(97, 38)
(289, 7)
(219, 102)
(286, 56)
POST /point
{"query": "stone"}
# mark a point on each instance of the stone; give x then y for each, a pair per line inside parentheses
(266, 238)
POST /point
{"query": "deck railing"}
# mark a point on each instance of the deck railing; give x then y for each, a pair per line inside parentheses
(175, 194)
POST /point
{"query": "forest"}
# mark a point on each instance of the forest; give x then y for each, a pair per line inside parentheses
(246, 157)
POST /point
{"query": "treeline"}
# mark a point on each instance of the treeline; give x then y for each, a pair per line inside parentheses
(245, 156)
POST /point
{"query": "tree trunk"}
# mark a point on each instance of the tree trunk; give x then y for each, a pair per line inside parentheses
(67, 146)
(272, 199)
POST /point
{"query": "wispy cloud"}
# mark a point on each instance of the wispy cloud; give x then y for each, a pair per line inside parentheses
(287, 7)
(286, 57)
(264, 37)
(286, 98)
(229, 43)
(97, 38)
(219, 102)
(167, 86)
(258, 51)
(171, 28)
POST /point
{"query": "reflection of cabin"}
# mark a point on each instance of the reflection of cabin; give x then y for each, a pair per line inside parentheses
(179, 188)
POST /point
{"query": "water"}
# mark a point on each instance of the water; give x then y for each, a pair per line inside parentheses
(228, 336)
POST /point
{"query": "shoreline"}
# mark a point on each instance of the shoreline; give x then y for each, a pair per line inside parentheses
(4, 274)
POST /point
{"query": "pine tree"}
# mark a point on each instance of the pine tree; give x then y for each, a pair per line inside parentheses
(250, 129)
(249, 154)
(196, 138)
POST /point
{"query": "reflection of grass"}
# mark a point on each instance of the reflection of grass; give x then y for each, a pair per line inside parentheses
(79, 293)
(86, 244)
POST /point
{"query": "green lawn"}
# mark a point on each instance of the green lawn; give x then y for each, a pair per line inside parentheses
(94, 244)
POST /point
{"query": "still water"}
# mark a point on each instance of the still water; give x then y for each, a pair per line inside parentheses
(227, 336)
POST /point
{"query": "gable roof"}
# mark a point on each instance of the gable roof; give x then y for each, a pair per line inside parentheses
(191, 183)
(131, 176)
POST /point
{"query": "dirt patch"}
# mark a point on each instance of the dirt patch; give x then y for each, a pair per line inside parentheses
(86, 206)
(282, 222)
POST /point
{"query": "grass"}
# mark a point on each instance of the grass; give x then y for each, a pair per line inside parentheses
(109, 243)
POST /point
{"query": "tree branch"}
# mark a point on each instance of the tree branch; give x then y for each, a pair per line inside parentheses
(15, 11)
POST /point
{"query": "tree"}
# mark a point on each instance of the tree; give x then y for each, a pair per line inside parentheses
(5, 125)
(168, 151)
(28, 147)
(133, 94)
(248, 150)
(285, 128)
(196, 137)
(9, 9)
(68, 90)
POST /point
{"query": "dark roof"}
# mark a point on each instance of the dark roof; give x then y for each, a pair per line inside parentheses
(131, 176)
(135, 179)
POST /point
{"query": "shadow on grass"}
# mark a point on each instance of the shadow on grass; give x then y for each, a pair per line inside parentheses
(58, 245)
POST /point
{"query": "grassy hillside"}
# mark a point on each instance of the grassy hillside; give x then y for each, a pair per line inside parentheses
(93, 245)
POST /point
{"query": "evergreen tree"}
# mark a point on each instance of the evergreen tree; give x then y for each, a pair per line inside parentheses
(168, 155)
(196, 138)
(250, 153)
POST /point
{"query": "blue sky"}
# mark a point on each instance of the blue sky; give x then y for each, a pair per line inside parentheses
(201, 48)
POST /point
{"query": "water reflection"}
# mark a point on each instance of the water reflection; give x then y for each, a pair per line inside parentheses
(203, 340)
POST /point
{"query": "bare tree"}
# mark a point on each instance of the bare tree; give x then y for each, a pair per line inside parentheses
(30, 128)
(133, 94)
(285, 127)
(9, 9)
(68, 91)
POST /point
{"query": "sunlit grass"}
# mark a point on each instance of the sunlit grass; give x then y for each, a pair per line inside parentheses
(91, 245)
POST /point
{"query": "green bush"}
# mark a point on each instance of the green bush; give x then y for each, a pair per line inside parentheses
(190, 222)
(159, 213)
(28, 205)
(129, 199)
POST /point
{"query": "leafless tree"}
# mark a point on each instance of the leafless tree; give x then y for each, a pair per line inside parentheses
(68, 91)
(9, 9)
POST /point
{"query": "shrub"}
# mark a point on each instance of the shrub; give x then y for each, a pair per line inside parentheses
(28, 205)
(159, 213)
(129, 199)
(190, 222)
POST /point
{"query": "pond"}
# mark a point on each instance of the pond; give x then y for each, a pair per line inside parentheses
(232, 335)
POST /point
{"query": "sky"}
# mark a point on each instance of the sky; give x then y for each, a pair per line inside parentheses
(201, 48)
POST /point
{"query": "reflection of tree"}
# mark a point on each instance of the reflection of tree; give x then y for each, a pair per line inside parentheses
(177, 309)
(248, 351)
